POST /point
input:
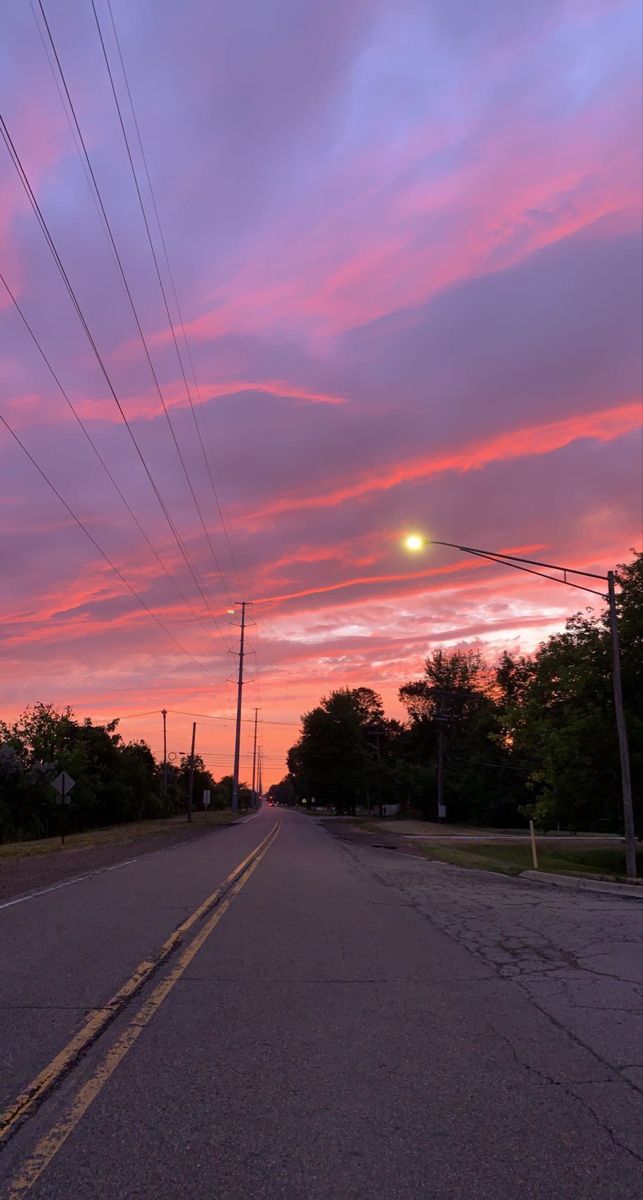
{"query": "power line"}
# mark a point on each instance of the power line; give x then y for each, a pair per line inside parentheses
(61, 97)
(246, 720)
(246, 763)
(93, 445)
(24, 179)
(98, 547)
(152, 712)
(130, 297)
(170, 272)
(166, 257)
(132, 305)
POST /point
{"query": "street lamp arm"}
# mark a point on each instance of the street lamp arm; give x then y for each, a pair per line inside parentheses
(509, 560)
(533, 562)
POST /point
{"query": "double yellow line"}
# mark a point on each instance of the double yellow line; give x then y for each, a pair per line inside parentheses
(220, 900)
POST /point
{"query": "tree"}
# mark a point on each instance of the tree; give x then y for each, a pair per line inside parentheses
(114, 781)
(202, 781)
(222, 795)
(453, 711)
(283, 792)
(564, 723)
(336, 758)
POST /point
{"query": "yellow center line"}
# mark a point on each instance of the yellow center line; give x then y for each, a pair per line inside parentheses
(50, 1144)
(100, 1018)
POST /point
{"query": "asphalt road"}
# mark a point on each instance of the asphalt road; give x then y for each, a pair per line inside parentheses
(346, 1022)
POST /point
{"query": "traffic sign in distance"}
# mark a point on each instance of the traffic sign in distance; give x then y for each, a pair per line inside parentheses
(63, 784)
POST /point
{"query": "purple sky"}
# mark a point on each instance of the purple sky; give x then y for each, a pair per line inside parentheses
(406, 244)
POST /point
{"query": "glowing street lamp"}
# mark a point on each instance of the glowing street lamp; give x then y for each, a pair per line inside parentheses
(415, 542)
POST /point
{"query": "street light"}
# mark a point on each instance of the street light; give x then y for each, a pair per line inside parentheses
(416, 542)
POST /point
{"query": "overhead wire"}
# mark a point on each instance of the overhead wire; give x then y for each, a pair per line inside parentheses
(132, 304)
(170, 272)
(120, 264)
(168, 265)
(166, 256)
(93, 445)
(86, 162)
(103, 553)
(61, 97)
(214, 717)
(24, 179)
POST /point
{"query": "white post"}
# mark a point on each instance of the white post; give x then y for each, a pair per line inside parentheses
(532, 838)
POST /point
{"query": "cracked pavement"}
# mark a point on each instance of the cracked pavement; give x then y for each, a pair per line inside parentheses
(577, 956)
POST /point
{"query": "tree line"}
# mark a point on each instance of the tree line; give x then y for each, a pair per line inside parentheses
(527, 736)
(115, 781)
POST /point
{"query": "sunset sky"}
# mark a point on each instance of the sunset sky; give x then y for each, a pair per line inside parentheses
(405, 240)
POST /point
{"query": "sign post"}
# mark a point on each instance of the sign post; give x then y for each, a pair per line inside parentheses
(206, 798)
(63, 784)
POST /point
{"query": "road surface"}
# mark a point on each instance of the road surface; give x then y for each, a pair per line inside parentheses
(339, 1021)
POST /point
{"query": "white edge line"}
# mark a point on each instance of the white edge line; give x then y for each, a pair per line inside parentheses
(66, 883)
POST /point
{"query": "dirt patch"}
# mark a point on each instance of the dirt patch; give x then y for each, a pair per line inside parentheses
(359, 836)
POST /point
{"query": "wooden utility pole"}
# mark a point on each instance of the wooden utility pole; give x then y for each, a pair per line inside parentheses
(254, 761)
(440, 770)
(191, 775)
(621, 728)
(164, 775)
(259, 778)
(237, 736)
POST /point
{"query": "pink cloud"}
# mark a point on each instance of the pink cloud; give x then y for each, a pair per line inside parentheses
(402, 240)
(538, 439)
(146, 405)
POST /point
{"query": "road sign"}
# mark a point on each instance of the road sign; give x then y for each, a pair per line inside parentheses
(206, 799)
(63, 784)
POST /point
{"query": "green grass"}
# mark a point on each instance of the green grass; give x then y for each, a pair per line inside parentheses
(115, 834)
(511, 860)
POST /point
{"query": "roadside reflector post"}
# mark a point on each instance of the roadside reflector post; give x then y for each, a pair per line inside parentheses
(532, 838)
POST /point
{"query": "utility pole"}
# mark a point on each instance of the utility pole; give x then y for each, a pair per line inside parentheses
(259, 779)
(376, 733)
(237, 736)
(254, 761)
(440, 771)
(191, 775)
(626, 779)
(164, 775)
(442, 718)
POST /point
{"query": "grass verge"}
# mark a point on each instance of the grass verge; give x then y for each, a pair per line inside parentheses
(599, 862)
(117, 834)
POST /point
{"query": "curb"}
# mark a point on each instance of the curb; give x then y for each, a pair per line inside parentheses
(627, 890)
